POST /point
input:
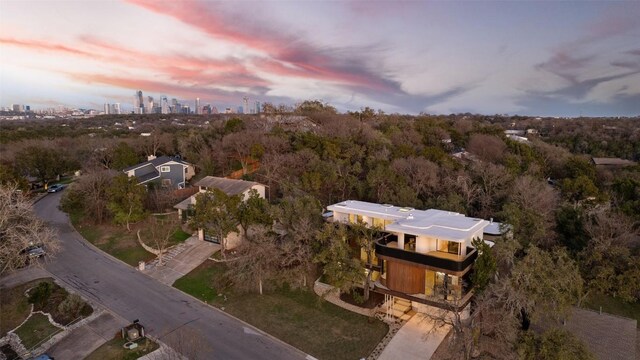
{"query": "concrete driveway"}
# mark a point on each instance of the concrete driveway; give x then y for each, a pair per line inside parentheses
(181, 259)
(418, 339)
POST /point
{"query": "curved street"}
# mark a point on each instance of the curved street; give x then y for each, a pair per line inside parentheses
(168, 314)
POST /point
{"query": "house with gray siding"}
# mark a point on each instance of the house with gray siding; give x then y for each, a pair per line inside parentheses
(165, 171)
(230, 187)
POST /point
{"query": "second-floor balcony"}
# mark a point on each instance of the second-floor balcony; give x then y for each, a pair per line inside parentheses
(388, 246)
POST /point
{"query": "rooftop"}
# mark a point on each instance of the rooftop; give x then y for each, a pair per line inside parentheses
(228, 186)
(441, 224)
(612, 161)
(157, 162)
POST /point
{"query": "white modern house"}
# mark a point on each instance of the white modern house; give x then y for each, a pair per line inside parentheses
(423, 256)
(228, 186)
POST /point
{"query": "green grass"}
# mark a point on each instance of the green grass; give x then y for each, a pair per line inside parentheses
(35, 330)
(297, 317)
(113, 350)
(199, 281)
(114, 240)
(179, 236)
(14, 306)
(613, 306)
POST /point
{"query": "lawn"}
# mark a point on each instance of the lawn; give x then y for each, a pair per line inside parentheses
(298, 317)
(36, 330)
(179, 236)
(14, 306)
(199, 282)
(114, 240)
(114, 350)
(613, 306)
(119, 242)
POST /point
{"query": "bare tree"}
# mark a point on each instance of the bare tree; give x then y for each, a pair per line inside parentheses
(90, 192)
(530, 209)
(20, 228)
(487, 147)
(255, 261)
(159, 233)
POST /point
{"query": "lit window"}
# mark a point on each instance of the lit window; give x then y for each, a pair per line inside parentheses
(165, 169)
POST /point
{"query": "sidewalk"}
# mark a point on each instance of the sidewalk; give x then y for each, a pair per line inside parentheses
(180, 260)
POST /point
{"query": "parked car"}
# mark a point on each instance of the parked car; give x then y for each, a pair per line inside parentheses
(55, 188)
(34, 251)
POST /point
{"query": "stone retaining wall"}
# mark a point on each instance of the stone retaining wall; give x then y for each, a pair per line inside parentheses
(148, 248)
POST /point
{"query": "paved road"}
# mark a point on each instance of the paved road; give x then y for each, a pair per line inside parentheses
(168, 314)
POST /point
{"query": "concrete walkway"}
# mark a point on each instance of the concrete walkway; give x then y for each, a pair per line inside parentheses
(418, 339)
(180, 260)
(82, 341)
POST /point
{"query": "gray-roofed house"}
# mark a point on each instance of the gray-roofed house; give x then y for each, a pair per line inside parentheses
(228, 186)
(164, 170)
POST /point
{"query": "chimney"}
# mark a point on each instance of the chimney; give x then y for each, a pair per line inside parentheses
(151, 157)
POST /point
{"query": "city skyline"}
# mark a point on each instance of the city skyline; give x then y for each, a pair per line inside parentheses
(530, 58)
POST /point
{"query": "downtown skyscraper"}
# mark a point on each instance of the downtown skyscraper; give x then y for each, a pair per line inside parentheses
(138, 103)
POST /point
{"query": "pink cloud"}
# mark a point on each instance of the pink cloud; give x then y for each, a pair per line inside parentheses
(302, 59)
(155, 86)
(179, 68)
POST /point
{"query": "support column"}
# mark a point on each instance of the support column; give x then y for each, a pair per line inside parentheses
(401, 241)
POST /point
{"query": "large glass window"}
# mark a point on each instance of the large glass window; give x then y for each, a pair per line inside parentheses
(453, 247)
(449, 247)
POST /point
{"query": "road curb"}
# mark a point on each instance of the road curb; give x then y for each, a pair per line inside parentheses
(260, 331)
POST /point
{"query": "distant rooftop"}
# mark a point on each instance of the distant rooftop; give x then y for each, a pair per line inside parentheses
(157, 162)
(228, 186)
(442, 224)
(612, 161)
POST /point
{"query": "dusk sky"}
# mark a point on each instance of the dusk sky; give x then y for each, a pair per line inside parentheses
(532, 58)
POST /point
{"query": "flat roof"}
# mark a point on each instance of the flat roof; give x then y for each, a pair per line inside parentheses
(612, 161)
(446, 225)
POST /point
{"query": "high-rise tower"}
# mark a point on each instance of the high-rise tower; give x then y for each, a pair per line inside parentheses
(138, 103)
(150, 105)
(198, 110)
(245, 105)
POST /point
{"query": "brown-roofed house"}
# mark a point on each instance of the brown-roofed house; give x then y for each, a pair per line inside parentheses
(612, 162)
(228, 186)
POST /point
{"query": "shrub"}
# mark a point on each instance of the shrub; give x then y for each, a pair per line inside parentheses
(41, 293)
(72, 306)
(72, 200)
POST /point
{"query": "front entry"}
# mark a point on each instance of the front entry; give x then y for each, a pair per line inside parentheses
(211, 238)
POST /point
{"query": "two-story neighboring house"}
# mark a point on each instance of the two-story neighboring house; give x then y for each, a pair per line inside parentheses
(164, 170)
(228, 186)
(423, 256)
